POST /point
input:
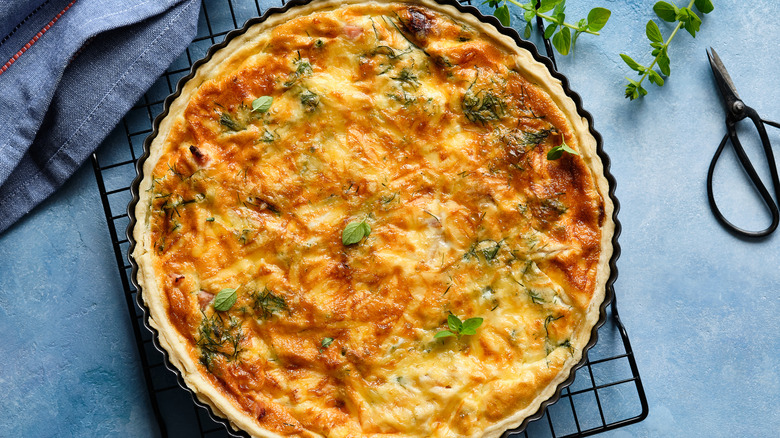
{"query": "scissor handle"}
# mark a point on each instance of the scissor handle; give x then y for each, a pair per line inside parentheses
(751, 171)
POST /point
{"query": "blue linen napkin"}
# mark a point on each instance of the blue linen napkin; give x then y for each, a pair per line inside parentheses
(69, 71)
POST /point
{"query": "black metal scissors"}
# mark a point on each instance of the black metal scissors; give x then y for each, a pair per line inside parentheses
(736, 110)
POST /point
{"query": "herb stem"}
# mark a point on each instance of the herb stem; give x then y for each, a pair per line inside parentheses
(665, 46)
(549, 18)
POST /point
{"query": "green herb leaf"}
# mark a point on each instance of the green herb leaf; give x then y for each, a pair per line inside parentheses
(557, 152)
(459, 328)
(693, 23)
(547, 5)
(597, 18)
(443, 334)
(354, 232)
(231, 124)
(653, 32)
(326, 343)
(705, 6)
(633, 65)
(562, 41)
(686, 18)
(471, 325)
(454, 323)
(550, 30)
(666, 11)
(225, 299)
(502, 13)
(262, 103)
(655, 78)
(663, 62)
(559, 13)
(527, 32)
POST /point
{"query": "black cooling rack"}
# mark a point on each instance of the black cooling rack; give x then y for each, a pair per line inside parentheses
(607, 392)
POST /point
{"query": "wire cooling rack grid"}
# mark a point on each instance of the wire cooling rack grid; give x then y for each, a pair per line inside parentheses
(607, 392)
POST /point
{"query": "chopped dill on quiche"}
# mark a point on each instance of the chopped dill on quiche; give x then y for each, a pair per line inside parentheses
(219, 336)
(266, 303)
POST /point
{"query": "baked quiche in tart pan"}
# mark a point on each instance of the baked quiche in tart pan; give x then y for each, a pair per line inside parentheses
(374, 218)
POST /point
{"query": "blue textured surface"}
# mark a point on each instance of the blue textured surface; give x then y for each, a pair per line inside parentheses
(701, 306)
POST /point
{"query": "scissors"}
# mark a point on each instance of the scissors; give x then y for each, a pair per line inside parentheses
(736, 110)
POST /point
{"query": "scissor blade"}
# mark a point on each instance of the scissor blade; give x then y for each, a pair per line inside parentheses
(726, 86)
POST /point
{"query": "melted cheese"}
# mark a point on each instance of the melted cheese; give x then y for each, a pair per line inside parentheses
(424, 128)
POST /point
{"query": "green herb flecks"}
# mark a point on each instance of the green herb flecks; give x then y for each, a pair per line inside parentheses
(225, 299)
(267, 136)
(564, 35)
(310, 100)
(230, 123)
(547, 322)
(489, 295)
(407, 77)
(482, 106)
(536, 298)
(354, 232)
(173, 202)
(490, 249)
(302, 69)
(219, 336)
(557, 151)
(535, 138)
(325, 343)
(685, 18)
(487, 248)
(392, 23)
(390, 52)
(459, 328)
(266, 303)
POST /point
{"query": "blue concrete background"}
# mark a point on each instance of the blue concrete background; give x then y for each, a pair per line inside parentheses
(701, 306)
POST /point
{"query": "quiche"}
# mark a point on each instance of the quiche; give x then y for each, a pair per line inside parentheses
(373, 219)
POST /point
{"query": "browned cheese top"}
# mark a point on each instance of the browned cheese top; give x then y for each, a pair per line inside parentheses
(424, 129)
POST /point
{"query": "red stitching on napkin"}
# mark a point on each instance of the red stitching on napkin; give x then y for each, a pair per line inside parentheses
(35, 38)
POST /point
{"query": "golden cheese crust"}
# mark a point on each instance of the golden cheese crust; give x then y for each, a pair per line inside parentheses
(433, 131)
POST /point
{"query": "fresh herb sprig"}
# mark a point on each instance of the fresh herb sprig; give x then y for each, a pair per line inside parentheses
(564, 35)
(686, 18)
(557, 151)
(459, 328)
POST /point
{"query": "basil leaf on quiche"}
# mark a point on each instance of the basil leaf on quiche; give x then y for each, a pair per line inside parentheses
(225, 299)
(443, 334)
(354, 232)
(262, 104)
(557, 151)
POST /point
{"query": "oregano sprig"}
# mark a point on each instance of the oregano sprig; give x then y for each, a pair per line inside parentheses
(564, 35)
(459, 328)
(686, 18)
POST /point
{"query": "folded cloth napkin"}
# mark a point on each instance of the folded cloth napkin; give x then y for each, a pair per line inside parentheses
(69, 71)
